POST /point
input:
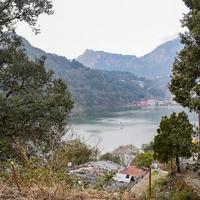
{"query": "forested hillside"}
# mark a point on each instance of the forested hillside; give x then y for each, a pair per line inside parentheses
(95, 88)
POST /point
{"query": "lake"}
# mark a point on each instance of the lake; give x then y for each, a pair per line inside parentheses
(115, 127)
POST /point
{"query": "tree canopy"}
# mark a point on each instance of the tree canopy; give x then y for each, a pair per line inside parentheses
(13, 11)
(144, 159)
(33, 105)
(174, 138)
(75, 152)
(110, 157)
(185, 82)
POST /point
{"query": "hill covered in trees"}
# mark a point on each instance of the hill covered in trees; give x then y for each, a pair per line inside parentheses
(156, 63)
(93, 88)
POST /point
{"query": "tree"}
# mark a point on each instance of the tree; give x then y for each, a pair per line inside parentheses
(110, 157)
(144, 159)
(147, 147)
(126, 153)
(74, 151)
(185, 82)
(13, 11)
(33, 105)
(174, 138)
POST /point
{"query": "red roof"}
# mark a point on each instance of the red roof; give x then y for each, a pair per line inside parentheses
(134, 171)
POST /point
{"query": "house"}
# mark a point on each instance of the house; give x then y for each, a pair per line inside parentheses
(131, 174)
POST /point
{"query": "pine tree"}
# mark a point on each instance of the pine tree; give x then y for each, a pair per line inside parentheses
(174, 138)
(185, 82)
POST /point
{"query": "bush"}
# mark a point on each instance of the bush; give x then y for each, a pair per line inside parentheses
(74, 151)
(27, 176)
(184, 195)
(104, 181)
(183, 192)
(161, 183)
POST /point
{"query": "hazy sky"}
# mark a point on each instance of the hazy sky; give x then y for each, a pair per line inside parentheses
(119, 26)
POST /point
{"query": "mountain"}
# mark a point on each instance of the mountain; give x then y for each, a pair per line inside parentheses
(93, 88)
(157, 63)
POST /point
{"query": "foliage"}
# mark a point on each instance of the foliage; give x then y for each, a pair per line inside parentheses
(27, 176)
(185, 83)
(184, 195)
(74, 151)
(193, 167)
(161, 183)
(33, 105)
(95, 88)
(174, 138)
(13, 11)
(147, 147)
(104, 181)
(6, 151)
(183, 192)
(126, 153)
(171, 188)
(144, 159)
(110, 157)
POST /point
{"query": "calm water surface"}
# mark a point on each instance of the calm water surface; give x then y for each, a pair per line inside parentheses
(124, 126)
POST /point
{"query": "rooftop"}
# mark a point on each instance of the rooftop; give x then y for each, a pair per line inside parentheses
(134, 171)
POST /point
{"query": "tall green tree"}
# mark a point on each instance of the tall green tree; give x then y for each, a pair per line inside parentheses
(33, 105)
(174, 138)
(144, 159)
(185, 82)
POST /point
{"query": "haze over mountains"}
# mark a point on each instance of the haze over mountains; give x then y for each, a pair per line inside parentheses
(109, 79)
(156, 63)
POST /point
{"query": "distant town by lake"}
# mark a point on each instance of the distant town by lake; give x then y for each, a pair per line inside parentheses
(114, 127)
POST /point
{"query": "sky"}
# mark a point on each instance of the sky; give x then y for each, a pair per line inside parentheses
(133, 27)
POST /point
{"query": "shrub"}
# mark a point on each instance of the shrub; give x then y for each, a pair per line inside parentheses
(184, 195)
(183, 192)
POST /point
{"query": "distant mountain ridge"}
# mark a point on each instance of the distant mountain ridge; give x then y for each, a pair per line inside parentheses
(156, 63)
(92, 88)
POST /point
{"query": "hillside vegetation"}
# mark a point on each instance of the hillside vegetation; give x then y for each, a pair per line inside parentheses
(92, 88)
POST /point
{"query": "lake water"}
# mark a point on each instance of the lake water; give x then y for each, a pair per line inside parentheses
(115, 127)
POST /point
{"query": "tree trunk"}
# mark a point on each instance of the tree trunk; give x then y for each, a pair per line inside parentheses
(178, 164)
(199, 137)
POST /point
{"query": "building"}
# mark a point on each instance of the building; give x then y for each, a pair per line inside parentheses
(131, 174)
